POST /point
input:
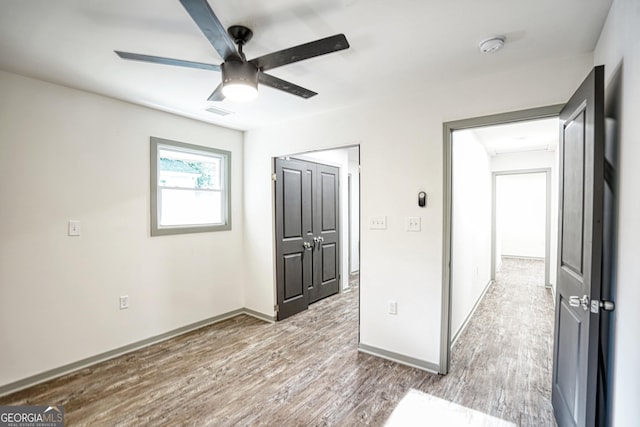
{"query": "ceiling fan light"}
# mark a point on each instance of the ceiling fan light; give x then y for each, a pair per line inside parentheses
(239, 80)
(240, 91)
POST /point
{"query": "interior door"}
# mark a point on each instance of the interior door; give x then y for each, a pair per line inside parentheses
(327, 263)
(577, 313)
(294, 234)
(307, 234)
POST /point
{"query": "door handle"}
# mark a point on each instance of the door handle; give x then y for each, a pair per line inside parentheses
(306, 245)
(576, 301)
(318, 241)
(607, 305)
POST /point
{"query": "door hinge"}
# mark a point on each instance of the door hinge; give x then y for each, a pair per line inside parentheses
(273, 177)
(276, 308)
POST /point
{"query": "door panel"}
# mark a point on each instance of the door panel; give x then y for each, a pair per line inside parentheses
(328, 263)
(293, 272)
(329, 200)
(307, 250)
(573, 202)
(581, 189)
(292, 196)
(308, 206)
(566, 373)
(293, 260)
(327, 278)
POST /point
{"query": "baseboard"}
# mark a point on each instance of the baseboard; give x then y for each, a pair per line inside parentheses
(258, 315)
(399, 358)
(102, 357)
(533, 258)
(473, 310)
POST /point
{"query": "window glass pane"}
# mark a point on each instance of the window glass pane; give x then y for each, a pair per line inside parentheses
(190, 188)
(180, 207)
(188, 170)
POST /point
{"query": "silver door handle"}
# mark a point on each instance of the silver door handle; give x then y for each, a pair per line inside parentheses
(607, 305)
(318, 241)
(576, 301)
(306, 245)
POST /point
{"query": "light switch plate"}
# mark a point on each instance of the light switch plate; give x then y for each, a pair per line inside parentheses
(378, 223)
(413, 223)
(74, 227)
(393, 307)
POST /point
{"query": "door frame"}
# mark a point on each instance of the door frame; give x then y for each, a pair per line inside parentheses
(547, 220)
(448, 129)
(303, 155)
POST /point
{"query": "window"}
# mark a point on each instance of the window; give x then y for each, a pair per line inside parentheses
(189, 188)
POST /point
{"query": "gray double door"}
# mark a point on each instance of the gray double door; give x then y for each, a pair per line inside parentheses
(578, 379)
(307, 234)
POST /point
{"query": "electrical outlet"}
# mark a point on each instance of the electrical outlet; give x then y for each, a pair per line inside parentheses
(124, 302)
(393, 307)
(378, 223)
(413, 223)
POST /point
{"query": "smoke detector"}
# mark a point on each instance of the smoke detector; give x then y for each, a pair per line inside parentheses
(492, 44)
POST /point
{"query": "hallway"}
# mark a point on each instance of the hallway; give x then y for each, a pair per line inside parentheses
(503, 360)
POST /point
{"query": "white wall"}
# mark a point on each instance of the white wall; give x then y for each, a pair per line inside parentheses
(521, 212)
(470, 226)
(401, 153)
(619, 45)
(537, 160)
(67, 154)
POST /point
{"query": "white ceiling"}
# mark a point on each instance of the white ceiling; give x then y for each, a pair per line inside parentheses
(395, 45)
(532, 135)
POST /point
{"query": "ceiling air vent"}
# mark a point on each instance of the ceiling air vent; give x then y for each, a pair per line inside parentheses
(218, 111)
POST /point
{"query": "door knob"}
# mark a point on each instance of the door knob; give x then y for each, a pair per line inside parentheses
(607, 305)
(576, 301)
(306, 245)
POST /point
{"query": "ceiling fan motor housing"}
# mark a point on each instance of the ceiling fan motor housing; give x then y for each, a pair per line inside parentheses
(237, 71)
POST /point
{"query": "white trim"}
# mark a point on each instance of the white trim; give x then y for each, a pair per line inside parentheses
(399, 358)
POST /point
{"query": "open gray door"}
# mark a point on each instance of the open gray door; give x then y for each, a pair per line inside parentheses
(307, 238)
(578, 305)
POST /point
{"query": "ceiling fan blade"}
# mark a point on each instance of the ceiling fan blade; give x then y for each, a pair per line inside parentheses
(301, 52)
(167, 61)
(276, 83)
(217, 94)
(211, 27)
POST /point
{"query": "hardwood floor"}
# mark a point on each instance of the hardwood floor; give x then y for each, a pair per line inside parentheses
(306, 371)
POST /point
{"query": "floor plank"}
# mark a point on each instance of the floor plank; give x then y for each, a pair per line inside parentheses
(306, 371)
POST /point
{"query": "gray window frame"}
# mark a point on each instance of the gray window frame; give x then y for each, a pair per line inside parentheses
(225, 178)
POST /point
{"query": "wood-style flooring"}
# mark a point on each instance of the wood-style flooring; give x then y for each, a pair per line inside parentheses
(306, 371)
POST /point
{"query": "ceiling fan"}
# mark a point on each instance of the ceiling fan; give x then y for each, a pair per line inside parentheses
(240, 77)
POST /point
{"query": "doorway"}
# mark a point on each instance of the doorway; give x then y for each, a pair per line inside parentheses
(474, 248)
(522, 219)
(317, 226)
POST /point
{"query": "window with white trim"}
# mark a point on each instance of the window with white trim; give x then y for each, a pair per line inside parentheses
(189, 188)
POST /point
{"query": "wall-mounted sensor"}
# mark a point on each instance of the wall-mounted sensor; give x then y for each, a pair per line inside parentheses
(422, 199)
